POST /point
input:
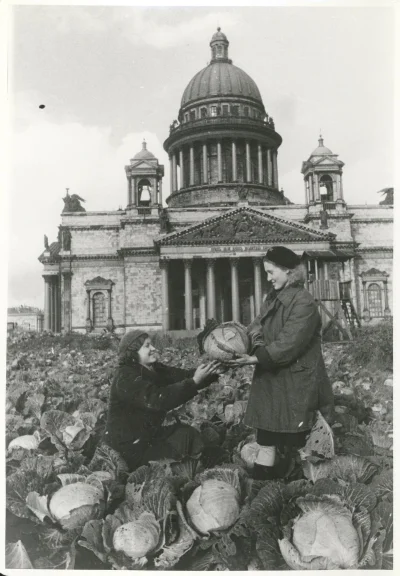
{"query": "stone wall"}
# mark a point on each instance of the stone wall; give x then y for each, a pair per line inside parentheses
(95, 241)
(143, 292)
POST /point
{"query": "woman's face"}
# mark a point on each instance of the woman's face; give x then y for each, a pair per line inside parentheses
(277, 276)
(147, 353)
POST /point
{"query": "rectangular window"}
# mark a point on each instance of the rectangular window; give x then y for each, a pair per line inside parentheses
(186, 117)
(213, 110)
(193, 114)
(225, 109)
(235, 110)
(246, 110)
(204, 112)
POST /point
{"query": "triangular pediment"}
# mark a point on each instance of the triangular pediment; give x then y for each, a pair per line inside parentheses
(245, 225)
(328, 161)
(142, 164)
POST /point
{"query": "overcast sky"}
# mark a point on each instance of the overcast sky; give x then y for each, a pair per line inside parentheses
(110, 76)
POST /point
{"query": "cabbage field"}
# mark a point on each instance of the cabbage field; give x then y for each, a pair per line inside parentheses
(70, 506)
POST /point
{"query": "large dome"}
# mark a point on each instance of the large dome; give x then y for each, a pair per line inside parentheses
(220, 79)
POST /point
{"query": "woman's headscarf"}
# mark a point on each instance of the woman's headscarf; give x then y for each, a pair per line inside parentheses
(130, 344)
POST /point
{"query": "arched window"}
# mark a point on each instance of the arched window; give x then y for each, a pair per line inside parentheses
(375, 300)
(99, 309)
(144, 193)
(326, 188)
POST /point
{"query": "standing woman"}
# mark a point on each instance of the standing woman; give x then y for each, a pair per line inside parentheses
(290, 381)
(142, 392)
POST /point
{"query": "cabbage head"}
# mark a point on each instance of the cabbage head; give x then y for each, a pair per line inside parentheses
(322, 526)
(323, 536)
(78, 500)
(226, 340)
(215, 499)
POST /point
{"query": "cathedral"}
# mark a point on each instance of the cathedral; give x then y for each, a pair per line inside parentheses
(171, 266)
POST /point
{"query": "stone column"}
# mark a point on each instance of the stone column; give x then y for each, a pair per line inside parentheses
(316, 267)
(326, 273)
(257, 284)
(260, 164)
(234, 262)
(317, 195)
(171, 175)
(234, 161)
(387, 309)
(67, 301)
(52, 305)
(248, 162)
(56, 305)
(269, 167)
(191, 160)
(174, 182)
(219, 161)
(181, 168)
(109, 318)
(188, 295)
(205, 167)
(305, 191)
(88, 312)
(202, 298)
(47, 309)
(341, 188)
(160, 192)
(275, 163)
(129, 191)
(164, 295)
(210, 289)
(311, 189)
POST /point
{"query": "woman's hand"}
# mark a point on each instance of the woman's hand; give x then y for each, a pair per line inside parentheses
(203, 371)
(242, 360)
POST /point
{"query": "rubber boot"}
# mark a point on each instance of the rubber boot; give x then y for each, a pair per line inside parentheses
(263, 472)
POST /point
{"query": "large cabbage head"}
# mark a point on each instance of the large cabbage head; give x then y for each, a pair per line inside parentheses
(323, 536)
(226, 340)
(214, 505)
(73, 505)
(76, 502)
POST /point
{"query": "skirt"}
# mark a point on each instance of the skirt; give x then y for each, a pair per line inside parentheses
(282, 440)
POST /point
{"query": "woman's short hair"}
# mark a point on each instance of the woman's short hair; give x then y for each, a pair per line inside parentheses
(296, 276)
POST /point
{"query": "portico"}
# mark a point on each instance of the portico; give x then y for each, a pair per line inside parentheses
(215, 270)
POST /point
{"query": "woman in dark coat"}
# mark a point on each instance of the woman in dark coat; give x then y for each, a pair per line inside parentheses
(142, 392)
(290, 381)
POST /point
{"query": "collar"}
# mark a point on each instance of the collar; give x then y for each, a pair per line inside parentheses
(287, 294)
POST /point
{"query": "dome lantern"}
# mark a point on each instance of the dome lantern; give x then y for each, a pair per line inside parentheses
(219, 47)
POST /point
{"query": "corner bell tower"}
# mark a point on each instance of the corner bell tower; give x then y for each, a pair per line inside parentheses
(144, 175)
(323, 181)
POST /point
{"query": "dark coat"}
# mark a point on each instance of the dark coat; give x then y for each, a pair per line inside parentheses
(290, 382)
(138, 403)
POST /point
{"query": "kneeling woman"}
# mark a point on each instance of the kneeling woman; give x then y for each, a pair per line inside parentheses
(142, 392)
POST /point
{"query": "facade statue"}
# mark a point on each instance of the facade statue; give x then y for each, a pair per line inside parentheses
(164, 221)
(66, 239)
(73, 203)
(324, 218)
(243, 193)
(389, 197)
(46, 242)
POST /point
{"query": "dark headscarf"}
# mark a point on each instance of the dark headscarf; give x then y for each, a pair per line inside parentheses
(132, 342)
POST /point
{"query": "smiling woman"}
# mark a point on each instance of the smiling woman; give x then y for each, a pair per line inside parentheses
(142, 392)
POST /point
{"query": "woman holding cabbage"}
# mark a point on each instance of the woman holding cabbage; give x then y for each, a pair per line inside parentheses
(290, 381)
(142, 392)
